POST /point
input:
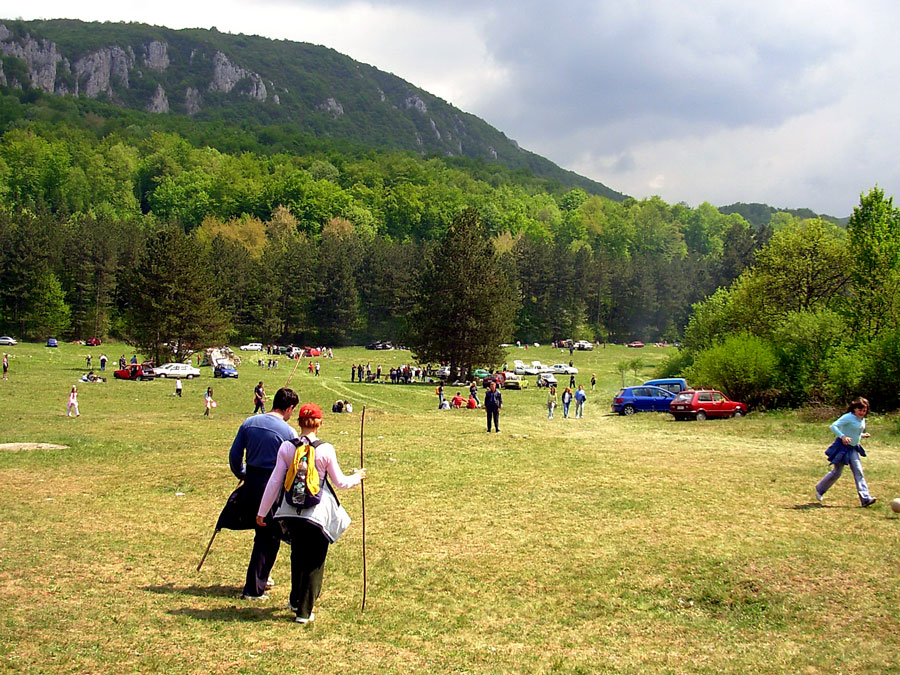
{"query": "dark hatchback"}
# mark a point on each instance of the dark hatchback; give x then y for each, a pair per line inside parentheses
(642, 399)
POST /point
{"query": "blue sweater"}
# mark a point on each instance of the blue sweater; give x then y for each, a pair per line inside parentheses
(260, 435)
(850, 425)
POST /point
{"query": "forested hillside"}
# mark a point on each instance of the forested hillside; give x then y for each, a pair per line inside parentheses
(286, 235)
(242, 80)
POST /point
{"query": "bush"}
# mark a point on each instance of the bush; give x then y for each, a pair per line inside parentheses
(675, 364)
(881, 371)
(844, 371)
(742, 367)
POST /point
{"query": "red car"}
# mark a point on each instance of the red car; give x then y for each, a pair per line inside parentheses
(134, 371)
(636, 343)
(93, 342)
(499, 378)
(705, 403)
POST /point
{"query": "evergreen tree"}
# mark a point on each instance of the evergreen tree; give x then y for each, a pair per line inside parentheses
(466, 304)
(172, 305)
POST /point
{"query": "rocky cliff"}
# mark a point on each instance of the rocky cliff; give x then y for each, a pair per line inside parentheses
(209, 75)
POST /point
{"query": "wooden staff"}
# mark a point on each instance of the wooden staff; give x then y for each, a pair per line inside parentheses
(362, 490)
(208, 546)
(290, 377)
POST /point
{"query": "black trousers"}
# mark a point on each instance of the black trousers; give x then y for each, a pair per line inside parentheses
(266, 542)
(309, 548)
(495, 415)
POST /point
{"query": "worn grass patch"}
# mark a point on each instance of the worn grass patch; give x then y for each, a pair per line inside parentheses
(565, 546)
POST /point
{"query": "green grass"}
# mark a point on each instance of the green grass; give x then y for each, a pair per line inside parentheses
(565, 546)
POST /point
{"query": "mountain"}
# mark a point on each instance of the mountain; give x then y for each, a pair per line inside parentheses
(211, 76)
(761, 214)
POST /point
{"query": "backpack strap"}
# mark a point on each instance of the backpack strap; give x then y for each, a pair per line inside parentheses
(312, 475)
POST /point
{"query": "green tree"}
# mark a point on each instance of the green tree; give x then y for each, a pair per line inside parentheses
(49, 314)
(466, 304)
(874, 233)
(172, 305)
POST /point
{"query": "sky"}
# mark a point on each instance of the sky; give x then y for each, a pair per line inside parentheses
(792, 104)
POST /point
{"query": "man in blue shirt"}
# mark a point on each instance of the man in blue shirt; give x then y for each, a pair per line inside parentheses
(260, 436)
(493, 401)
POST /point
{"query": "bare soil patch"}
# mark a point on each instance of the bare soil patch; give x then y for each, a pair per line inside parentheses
(32, 446)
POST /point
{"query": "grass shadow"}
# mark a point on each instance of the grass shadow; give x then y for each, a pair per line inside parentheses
(217, 591)
(812, 506)
(228, 613)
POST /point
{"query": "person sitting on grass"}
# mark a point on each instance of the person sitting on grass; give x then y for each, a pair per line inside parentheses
(471, 404)
(457, 401)
(309, 543)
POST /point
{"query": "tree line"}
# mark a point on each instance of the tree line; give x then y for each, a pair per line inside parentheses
(327, 247)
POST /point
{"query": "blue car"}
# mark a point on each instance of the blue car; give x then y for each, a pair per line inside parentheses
(225, 370)
(52, 342)
(642, 399)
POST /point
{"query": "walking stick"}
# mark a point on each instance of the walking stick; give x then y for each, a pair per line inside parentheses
(209, 546)
(296, 363)
(362, 491)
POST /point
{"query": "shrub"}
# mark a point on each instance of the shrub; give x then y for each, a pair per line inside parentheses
(742, 367)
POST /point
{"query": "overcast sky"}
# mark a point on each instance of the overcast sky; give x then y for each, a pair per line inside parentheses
(791, 103)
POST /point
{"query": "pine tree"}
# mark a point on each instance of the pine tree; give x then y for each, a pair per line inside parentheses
(465, 302)
(172, 306)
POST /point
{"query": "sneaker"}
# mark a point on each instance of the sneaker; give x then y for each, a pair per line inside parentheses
(869, 501)
(270, 583)
(819, 495)
(254, 598)
(300, 619)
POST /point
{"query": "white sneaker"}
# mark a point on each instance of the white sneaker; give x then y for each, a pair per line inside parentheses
(819, 495)
(270, 583)
(300, 619)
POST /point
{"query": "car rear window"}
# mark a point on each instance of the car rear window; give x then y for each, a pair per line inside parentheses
(684, 397)
(621, 393)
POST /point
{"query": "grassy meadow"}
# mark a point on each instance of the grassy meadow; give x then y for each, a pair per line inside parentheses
(604, 544)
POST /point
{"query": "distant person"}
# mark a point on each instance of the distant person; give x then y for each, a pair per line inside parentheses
(848, 429)
(457, 401)
(471, 403)
(208, 400)
(309, 541)
(317, 368)
(439, 390)
(580, 398)
(572, 381)
(337, 406)
(593, 382)
(566, 399)
(259, 399)
(73, 402)
(348, 407)
(103, 360)
(5, 365)
(134, 358)
(87, 361)
(551, 402)
(473, 392)
(352, 373)
(122, 362)
(493, 402)
(445, 405)
(252, 458)
(178, 387)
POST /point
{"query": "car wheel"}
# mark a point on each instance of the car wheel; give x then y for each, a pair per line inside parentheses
(162, 375)
(139, 378)
(190, 377)
(701, 416)
(629, 410)
(738, 413)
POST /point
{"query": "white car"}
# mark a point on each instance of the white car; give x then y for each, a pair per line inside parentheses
(184, 370)
(541, 367)
(519, 367)
(252, 347)
(563, 369)
(584, 345)
(7, 341)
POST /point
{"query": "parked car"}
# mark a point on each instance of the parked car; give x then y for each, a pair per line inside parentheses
(7, 341)
(514, 381)
(380, 344)
(499, 378)
(637, 344)
(546, 379)
(225, 369)
(134, 371)
(563, 369)
(252, 347)
(481, 373)
(93, 342)
(519, 367)
(52, 342)
(705, 403)
(674, 384)
(184, 370)
(642, 399)
(584, 345)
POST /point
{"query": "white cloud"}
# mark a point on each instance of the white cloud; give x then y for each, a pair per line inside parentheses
(786, 103)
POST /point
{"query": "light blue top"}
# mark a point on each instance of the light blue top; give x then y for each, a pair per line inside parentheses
(849, 425)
